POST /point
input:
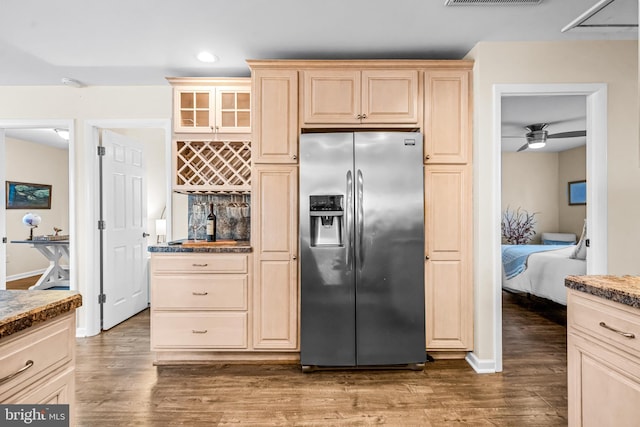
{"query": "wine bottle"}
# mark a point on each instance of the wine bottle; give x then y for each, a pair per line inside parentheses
(211, 225)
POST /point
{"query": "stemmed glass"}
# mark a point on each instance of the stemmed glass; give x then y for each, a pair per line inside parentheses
(197, 219)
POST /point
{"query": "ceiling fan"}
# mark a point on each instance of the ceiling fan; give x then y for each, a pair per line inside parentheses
(537, 135)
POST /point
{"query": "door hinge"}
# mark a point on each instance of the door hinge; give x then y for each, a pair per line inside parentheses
(101, 150)
(102, 225)
(587, 243)
(102, 298)
(4, 240)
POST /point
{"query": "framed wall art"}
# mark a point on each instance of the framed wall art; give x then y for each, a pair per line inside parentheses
(578, 193)
(25, 195)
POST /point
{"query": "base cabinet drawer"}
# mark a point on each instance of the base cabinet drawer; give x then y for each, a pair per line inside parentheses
(200, 292)
(203, 330)
(30, 356)
(200, 263)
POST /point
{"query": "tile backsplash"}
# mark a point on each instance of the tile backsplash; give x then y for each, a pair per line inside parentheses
(233, 215)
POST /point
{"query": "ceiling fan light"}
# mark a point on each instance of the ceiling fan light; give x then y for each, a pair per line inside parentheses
(537, 138)
(536, 144)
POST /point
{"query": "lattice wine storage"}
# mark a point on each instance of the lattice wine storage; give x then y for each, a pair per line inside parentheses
(212, 166)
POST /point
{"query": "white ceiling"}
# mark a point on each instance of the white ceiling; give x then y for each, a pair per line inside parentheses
(125, 42)
(140, 42)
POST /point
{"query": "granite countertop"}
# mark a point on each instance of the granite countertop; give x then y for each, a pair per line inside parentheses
(622, 289)
(232, 247)
(22, 309)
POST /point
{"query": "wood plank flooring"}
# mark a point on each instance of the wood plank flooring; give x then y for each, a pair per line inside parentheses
(118, 386)
(22, 284)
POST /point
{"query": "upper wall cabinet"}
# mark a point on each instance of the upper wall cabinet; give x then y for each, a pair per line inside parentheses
(211, 105)
(360, 97)
(447, 121)
(275, 104)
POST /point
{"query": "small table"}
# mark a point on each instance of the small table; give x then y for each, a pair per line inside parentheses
(53, 250)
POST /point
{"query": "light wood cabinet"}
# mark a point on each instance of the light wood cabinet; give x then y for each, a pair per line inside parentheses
(199, 301)
(360, 97)
(275, 239)
(603, 357)
(42, 358)
(275, 106)
(211, 105)
(448, 274)
(447, 122)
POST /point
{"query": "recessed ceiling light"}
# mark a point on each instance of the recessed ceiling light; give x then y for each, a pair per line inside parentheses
(71, 82)
(207, 57)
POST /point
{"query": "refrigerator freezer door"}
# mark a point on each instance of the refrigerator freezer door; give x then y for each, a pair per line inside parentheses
(327, 313)
(390, 249)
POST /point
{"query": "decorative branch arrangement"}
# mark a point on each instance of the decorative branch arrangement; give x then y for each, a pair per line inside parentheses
(518, 226)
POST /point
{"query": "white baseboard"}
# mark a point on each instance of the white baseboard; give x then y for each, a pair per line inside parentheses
(25, 275)
(481, 366)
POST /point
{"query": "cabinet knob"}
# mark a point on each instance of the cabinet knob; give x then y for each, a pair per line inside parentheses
(426, 257)
(364, 116)
(359, 116)
(294, 157)
(427, 157)
(294, 257)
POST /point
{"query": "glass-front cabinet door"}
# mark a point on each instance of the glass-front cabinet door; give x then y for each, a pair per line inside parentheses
(212, 106)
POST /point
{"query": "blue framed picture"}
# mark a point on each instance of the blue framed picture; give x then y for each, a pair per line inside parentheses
(578, 193)
(24, 195)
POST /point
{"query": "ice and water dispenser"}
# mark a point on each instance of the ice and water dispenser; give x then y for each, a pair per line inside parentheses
(327, 220)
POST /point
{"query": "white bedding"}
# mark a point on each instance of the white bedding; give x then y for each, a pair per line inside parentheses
(545, 273)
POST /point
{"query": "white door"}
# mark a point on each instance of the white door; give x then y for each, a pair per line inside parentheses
(3, 216)
(124, 244)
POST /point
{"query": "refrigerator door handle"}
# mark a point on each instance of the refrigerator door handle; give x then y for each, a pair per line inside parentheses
(349, 221)
(359, 218)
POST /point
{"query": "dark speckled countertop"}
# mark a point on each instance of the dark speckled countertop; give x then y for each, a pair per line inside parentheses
(22, 309)
(236, 247)
(622, 289)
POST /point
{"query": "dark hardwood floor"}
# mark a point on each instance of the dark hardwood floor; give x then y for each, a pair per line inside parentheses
(117, 385)
(22, 284)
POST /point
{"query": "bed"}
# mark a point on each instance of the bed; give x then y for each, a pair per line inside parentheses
(540, 270)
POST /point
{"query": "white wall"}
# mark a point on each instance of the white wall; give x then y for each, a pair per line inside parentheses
(530, 182)
(612, 62)
(39, 164)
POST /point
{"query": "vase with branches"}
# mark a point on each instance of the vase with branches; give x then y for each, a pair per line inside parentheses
(518, 227)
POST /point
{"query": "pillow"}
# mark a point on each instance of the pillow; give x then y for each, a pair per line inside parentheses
(557, 242)
(580, 251)
(558, 238)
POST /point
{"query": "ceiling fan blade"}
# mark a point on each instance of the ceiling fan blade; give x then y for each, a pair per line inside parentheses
(524, 147)
(520, 136)
(572, 134)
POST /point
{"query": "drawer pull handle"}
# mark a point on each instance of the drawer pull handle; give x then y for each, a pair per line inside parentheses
(199, 265)
(18, 372)
(617, 331)
(200, 293)
(196, 331)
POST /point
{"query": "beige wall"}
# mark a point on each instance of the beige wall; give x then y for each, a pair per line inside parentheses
(39, 164)
(537, 182)
(530, 182)
(572, 167)
(612, 62)
(85, 104)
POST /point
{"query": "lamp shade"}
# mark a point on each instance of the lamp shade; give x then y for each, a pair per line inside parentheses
(161, 227)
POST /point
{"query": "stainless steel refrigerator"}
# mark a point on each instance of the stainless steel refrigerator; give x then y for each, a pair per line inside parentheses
(362, 249)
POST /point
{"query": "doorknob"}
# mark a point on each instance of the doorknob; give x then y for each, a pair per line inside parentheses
(145, 234)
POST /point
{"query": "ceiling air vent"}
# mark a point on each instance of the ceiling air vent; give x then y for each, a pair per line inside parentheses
(489, 2)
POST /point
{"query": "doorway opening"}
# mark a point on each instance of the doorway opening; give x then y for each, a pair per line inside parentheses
(156, 138)
(596, 175)
(38, 153)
